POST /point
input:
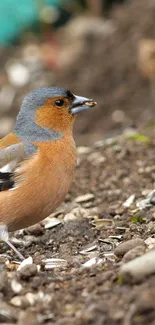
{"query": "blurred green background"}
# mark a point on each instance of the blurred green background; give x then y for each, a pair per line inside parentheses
(103, 49)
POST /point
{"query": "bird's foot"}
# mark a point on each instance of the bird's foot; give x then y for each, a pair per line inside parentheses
(4, 236)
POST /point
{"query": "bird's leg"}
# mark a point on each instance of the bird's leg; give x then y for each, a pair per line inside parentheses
(4, 236)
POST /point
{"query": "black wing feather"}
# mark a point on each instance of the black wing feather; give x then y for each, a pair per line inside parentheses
(6, 181)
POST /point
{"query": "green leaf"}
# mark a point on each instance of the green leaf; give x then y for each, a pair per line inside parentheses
(138, 219)
(139, 137)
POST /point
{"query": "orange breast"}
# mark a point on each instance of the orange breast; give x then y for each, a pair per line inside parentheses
(45, 180)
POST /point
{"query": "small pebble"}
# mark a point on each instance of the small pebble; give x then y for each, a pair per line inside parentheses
(39, 297)
(80, 212)
(7, 313)
(16, 286)
(117, 217)
(83, 150)
(29, 240)
(118, 116)
(27, 271)
(19, 301)
(96, 158)
(140, 267)
(150, 227)
(152, 199)
(106, 142)
(18, 73)
(70, 216)
(150, 242)
(133, 253)
(126, 246)
(35, 230)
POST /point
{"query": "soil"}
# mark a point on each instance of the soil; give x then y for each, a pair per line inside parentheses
(92, 227)
(74, 294)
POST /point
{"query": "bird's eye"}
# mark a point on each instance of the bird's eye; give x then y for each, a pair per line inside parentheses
(59, 102)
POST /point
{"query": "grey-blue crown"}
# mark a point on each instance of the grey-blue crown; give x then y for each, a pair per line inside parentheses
(37, 97)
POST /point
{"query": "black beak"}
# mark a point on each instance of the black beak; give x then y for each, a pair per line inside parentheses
(80, 104)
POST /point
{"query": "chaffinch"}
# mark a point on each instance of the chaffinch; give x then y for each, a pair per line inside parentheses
(38, 159)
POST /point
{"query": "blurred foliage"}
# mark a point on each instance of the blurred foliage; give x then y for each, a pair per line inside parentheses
(138, 219)
(139, 137)
(16, 16)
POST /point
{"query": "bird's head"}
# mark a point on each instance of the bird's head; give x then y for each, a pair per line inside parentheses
(52, 109)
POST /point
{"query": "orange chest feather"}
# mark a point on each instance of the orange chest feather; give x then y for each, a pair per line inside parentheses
(42, 183)
(59, 153)
(54, 163)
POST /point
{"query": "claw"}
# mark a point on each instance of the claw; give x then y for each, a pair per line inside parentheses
(4, 236)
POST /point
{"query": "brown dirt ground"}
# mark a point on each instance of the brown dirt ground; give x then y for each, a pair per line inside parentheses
(93, 295)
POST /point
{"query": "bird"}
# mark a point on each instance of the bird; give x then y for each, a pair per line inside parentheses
(38, 158)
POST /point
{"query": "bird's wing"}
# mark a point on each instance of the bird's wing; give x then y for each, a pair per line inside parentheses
(7, 141)
(14, 152)
(11, 157)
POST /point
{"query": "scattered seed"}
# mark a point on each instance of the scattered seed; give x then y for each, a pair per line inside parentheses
(103, 223)
(119, 237)
(122, 229)
(93, 261)
(129, 201)
(27, 261)
(52, 222)
(88, 249)
(108, 254)
(85, 198)
(51, 263)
